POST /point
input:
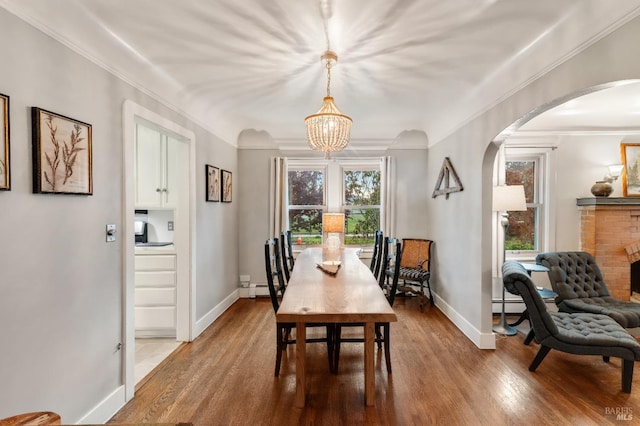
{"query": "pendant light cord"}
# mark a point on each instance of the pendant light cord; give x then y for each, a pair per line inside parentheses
(326, 12)
(328, 78)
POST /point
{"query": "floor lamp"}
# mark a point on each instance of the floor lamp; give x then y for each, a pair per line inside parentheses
(505, 199)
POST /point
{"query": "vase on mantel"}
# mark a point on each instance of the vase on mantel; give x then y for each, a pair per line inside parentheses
(602, 188)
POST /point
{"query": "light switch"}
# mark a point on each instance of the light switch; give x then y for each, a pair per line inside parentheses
(170, 225)
(111, 232)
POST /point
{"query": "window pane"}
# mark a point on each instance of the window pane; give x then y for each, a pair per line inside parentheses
(362, 187)
(522, 173)
(306, 187)
(361, 225)
(306, 224)
(521, 234)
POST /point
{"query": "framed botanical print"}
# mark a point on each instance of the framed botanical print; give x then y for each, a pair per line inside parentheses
(630, 153)
(5, 164)
(227, 186)
(213, 183)
(62, 157)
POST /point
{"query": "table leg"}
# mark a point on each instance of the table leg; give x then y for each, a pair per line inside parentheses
(301, 349)
(369, 365)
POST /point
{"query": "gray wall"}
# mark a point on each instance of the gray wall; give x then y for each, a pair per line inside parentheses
(410, 200)
(61, 284)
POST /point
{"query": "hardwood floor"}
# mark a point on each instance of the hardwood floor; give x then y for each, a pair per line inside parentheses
(226, 377)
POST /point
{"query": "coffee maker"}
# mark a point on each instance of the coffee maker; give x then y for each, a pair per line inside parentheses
(141, 231)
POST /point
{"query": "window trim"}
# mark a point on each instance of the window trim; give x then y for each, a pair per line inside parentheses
(542, 197)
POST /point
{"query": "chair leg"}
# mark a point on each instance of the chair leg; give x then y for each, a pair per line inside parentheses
(430, 295)
(387, 353)
(627, 375)
(530, 336)
(336, 348)
(280, 346)
(544, 350)
(331, 339)
(378, 336)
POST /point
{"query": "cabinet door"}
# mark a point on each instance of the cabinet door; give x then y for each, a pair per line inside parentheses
(150, 164)
(175, 175)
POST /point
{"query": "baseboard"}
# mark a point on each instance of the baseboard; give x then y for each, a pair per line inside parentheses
(481, 340)
(214, 313)
(106, 409)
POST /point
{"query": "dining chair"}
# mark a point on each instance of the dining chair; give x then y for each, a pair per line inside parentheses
(377, 253)
(283, 329)
(287, 253)
(390, 261)
(415, 270)
(274, 266)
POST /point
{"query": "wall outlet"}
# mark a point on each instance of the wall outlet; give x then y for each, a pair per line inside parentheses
(244, 280)
(170, 225)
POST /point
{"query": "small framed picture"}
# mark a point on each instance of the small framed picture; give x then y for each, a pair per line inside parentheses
(227, 186)
(630, 153)
(5, 164)
(62, 159)
(213, 182)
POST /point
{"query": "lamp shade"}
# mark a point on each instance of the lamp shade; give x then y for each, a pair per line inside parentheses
(333, 222)
(615, 170)
(509, 198)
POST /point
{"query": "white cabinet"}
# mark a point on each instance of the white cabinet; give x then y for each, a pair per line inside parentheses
(155, 295)
(156, 168)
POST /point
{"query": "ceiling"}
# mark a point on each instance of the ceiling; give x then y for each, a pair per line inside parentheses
(426, 65)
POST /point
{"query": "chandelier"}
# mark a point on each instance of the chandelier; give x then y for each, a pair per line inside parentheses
(328, 130)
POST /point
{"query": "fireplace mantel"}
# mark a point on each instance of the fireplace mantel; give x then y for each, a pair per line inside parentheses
(607, 226)
(609, 201)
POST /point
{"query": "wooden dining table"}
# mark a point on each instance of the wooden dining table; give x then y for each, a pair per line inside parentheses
(352, 295)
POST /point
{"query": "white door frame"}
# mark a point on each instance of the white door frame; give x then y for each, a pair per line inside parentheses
(186, 247)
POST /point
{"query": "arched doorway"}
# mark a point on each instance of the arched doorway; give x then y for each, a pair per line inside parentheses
(579, 135)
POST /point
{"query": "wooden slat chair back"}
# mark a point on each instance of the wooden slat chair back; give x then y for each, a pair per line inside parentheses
(287, 253)
(376, 257)
(273, 265)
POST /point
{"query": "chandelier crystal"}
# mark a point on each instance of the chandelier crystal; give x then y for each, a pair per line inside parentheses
(328, 130)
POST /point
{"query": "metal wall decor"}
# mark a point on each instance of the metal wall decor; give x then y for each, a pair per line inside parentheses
(446, 173)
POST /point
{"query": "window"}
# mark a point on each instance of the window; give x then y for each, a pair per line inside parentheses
(350, 186)
(361, 203)
(306, 192)
(526, 231)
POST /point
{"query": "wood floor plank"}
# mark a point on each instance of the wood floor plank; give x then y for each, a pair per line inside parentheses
(439, 377)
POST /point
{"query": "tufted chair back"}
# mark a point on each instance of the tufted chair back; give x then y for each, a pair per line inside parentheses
(573, 275)
(517, 281)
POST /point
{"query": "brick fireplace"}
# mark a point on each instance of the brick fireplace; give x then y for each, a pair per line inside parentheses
(610, 230)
